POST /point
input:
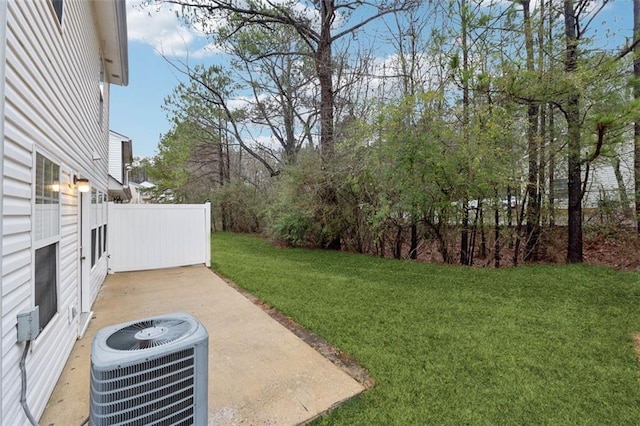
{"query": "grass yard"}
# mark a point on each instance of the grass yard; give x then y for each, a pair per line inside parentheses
(451, 345)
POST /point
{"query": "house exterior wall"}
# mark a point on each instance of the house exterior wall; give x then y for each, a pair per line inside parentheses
(115, 156)
(603, 185)
(3, 27)
(50, 92)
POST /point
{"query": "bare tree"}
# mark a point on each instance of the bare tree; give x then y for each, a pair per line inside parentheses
(319, 34)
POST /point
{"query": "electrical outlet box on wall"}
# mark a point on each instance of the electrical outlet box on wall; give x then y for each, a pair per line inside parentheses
(28, 324)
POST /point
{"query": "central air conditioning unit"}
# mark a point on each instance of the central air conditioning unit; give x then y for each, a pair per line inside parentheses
(152, 371)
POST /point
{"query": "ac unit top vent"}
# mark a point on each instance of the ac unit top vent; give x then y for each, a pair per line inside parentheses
(123, 343)
(149, 333)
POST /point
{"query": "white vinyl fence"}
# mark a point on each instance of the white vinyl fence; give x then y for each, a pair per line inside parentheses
(153, 236)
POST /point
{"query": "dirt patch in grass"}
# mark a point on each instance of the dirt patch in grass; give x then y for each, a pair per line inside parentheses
(339, 358)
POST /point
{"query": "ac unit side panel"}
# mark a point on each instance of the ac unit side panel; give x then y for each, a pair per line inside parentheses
(202, 383)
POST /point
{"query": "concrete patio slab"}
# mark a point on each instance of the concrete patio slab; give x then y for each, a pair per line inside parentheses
(259, 372)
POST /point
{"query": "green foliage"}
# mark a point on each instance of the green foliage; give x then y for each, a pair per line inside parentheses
(242, 203)
(425, 168)
(455, 61)
(452, 128)
(446, 345)
(298, 215)
(294, 226)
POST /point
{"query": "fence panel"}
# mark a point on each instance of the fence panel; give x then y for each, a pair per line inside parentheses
(152, 236)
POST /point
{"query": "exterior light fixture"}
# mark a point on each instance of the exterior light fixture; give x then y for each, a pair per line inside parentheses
(82, 184)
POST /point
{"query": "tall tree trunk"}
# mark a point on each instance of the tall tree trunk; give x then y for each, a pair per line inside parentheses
(622, 189)
(397, 244)
(496, 241)
(572, 114)
(324, 68)
(223, 171)
(510, 216)
(483, 237)
(552, 167)
(636, 95)
(552, 131)
(533, 206)
(474, 235)
(464, 235)
(413, 249)
(543, 136)
(221, 183)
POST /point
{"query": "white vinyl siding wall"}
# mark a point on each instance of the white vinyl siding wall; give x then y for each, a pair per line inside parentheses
(51, 89)
(3, 20)
(115, 157)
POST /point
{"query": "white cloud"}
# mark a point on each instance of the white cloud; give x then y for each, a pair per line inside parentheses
(239, 103)
(160, 27)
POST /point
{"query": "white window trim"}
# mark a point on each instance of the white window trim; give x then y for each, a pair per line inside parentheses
(38, 244)
(100, 211)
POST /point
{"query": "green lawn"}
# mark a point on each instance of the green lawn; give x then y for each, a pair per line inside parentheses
(451, 345)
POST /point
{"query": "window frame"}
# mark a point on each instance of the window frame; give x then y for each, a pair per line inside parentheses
(98, 213)
(51, 237)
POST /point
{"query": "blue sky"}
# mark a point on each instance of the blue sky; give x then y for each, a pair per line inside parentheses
(136, 110)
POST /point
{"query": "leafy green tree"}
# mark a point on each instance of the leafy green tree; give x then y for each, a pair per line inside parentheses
(591, 72)
(419, 156)
(297, 215)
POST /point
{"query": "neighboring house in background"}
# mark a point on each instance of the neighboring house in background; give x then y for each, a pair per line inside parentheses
(611, 181)
(120, 159)
(141, 193)
(612, 178)
(57, 61)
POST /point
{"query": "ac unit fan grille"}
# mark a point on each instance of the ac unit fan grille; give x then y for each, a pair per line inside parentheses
(143, 393)
(148, 334)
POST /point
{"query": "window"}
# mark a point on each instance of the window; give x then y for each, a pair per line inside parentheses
(100, 242)
(46, 283)
(47, 198)
(57, 8)
(98, 225)
(94, 256)
(104, 239)
(47, 236)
